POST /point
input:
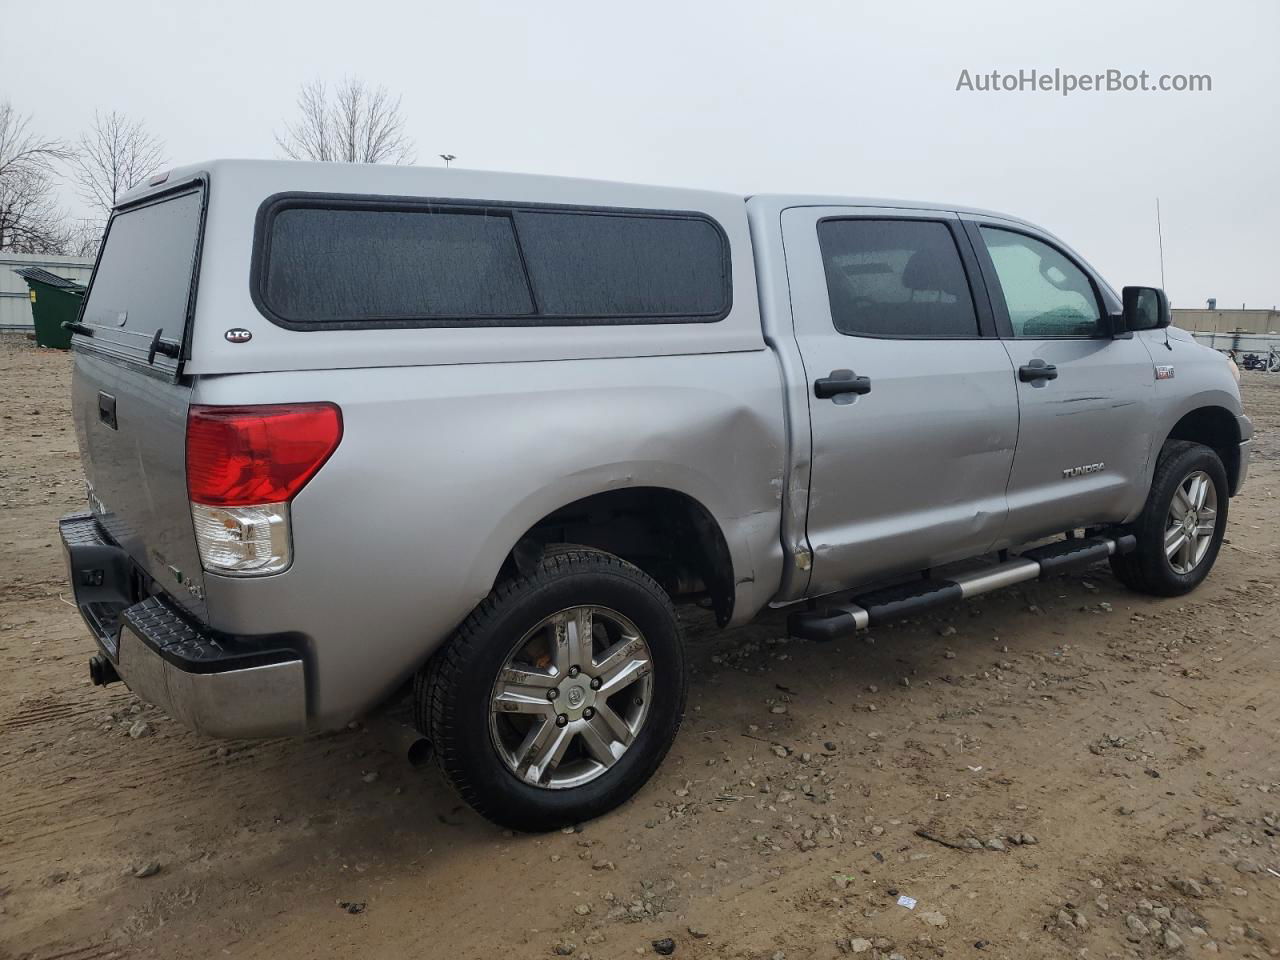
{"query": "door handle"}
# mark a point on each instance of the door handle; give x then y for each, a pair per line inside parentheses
(1037, 370)
(838, 382)
(107, 409)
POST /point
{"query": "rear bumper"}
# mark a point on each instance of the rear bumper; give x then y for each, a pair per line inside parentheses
(215, 684)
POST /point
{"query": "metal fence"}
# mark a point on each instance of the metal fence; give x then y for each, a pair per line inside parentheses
(1260, 343)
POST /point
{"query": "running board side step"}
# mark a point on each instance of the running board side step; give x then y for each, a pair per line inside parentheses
(841, 618)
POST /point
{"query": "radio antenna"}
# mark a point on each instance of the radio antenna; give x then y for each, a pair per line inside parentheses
(1160, 239)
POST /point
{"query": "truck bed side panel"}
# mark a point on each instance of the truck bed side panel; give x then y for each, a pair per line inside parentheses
(442, 469)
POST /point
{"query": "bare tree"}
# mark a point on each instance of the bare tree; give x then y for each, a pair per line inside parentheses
(83, 238)
(30, 219)
(114, 156)
(359, 124)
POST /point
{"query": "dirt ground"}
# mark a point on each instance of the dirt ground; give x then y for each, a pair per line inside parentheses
(1098, 773)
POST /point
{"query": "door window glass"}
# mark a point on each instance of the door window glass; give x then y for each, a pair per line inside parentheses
(1046, 294)
(895, 278)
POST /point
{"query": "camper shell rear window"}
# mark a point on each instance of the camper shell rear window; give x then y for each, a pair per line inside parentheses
(351, 262)
(142, 292)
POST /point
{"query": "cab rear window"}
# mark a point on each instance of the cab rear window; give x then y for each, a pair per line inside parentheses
(325, 262)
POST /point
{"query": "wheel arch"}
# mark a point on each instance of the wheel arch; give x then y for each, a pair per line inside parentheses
(669, 534)
(1215, 427)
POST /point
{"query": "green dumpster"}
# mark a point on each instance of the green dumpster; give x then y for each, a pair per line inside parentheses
(54, 299)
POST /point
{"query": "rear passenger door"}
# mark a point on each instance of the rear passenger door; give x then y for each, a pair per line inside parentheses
(913, 408)
(1084, 395)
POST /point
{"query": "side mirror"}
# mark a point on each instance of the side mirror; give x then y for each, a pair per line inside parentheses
(1145, 308)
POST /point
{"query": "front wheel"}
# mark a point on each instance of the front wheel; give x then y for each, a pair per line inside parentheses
(1181, 526)
(560, 694)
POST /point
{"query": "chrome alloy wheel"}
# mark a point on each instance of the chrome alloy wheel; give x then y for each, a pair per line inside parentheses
(571, 697)
(1193, 515)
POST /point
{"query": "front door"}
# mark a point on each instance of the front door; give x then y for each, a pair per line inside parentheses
(1084, 395)
(912, 398)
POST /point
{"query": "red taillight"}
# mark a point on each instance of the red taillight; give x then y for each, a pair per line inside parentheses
(238, 456)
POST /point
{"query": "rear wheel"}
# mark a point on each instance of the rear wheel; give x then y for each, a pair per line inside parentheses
(1181, 526)
(560, 694)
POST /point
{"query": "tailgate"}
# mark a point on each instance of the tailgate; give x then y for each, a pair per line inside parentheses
(129, 398)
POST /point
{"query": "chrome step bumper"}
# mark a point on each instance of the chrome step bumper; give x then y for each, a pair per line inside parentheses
(223, 686)
(207, 684)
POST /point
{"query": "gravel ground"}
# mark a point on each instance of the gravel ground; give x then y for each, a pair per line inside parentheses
(1062, 769)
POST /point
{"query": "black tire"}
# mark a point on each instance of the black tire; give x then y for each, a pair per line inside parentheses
(452, 692)
(1148, 568)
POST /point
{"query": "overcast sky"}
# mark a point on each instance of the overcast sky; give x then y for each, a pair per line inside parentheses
(843, 97)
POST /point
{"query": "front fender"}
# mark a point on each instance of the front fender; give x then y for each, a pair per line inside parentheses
(1201, 380)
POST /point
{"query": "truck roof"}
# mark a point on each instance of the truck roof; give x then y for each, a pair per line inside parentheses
(781, 201)
(428, 181)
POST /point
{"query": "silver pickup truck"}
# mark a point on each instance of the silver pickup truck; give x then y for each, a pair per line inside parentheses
(349, 431)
